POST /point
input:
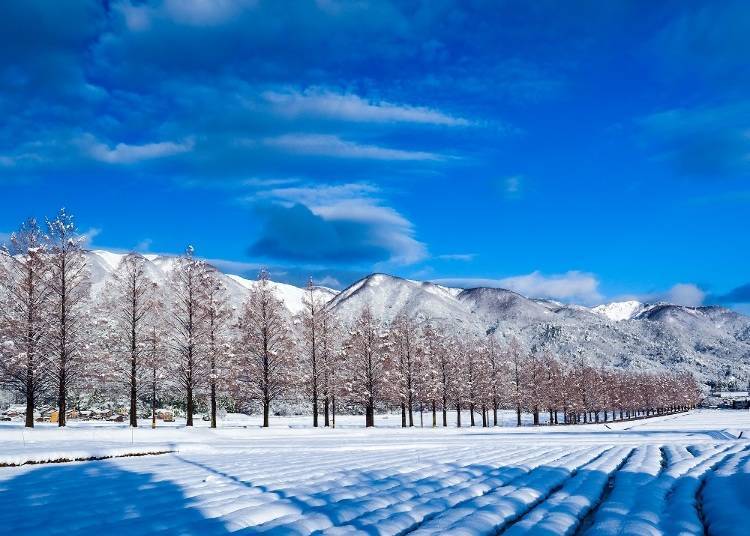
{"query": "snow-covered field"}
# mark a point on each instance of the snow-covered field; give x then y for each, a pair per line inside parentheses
(680, 474)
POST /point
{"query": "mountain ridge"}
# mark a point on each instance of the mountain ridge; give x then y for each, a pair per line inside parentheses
(703, 340)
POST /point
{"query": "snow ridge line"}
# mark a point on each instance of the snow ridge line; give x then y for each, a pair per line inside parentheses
(524, 465)
(588, 520)
(726, 457)
(490, 512)
(611, 449)
(88, 458)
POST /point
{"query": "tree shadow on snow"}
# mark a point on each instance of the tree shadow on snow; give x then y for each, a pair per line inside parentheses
(103, 498)
(96, 498)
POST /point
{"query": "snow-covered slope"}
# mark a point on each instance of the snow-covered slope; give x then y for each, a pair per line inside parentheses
(619, 310)
(703, 340)
(102, 263)
(387, 296)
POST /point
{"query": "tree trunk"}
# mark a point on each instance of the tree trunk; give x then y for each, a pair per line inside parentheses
(370, 414)
(333, 411)
(189, 406)
(61, 399)
(471, 413)
(458, 414)
(213, 403)
(153, 399)
(494, 412)
(315, 407)
(403, 415)
(411, 409)
(434, 414)
(326, 409)
(445, 411)
(29, 392)
(518, 414)
(133, 386)
(266, 410)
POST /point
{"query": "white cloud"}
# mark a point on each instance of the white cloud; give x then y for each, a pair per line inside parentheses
(144, 245)
(336, 147)
(357, 202)
(19, 159)
(320, 195)
(89, 235)
(322, 103)
(685, 294)
(513, 187)
(329, 281)
(205, 12)
(234, 267)
(123, 153)
(466, 257)
(573, 286)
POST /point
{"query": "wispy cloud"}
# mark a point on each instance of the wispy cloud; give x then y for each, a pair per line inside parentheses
(235, 267)
(336, 147)
(144, 245)
(709, 141)
(512, 187)
(687, 294)
(465, 257)
(123, 153)
(573, 286)
(324, 103)
(89, 235)
(737, 295)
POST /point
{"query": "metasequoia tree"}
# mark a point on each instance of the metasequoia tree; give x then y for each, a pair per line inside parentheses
(69, 292)
(24, 314)
(457, 371)
(330, 363)
(442, 359)
(515, 372)
(217, 315)
(155, 349)
(430, 374)
(493, 362)
(187, 325)
(265, 344)
(404, 336)
(311, 319)
(365, 361)
(128, 301)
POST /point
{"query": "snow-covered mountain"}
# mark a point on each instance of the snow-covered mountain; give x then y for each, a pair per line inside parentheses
(703, 340)
(102, 263)
(619, 310)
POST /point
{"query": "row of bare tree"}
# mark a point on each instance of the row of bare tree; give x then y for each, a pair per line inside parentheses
(187, 340)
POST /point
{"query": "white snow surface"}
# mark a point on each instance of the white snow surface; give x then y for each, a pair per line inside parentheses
(619, 310)
(680, 474)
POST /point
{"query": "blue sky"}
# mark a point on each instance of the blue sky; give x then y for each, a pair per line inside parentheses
(584, 151)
